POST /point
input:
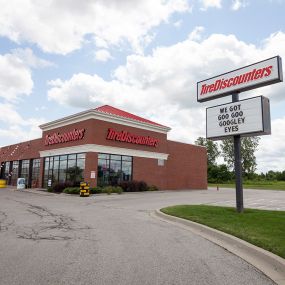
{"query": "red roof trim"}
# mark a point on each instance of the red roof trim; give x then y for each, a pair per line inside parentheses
(114, 111)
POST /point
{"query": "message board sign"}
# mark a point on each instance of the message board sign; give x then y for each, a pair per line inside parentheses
(256, 75)
(249, 117)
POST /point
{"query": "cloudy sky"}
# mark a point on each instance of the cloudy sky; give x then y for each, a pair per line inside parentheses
(59, 57)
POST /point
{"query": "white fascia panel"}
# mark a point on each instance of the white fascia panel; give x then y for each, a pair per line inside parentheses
(103, 149)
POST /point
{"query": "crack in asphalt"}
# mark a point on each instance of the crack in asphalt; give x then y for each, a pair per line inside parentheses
(52, 226)
(4, 224)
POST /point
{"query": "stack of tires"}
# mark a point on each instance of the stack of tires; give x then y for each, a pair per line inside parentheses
(84, 189)
(2, 183)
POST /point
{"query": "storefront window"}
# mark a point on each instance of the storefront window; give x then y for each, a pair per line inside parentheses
(25, 166)
(14, 174)
(112, 169)
(7, 171)
(64, 168)
(35, 173)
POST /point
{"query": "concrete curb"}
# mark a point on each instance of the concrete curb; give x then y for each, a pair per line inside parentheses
(270, 264)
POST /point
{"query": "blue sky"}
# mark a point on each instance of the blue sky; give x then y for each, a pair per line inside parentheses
(61, 57)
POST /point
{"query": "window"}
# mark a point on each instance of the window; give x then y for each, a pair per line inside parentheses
(14, 174)
(112, 169)
(7, 171)
(64, 168)
(25, 167)
(35, 173)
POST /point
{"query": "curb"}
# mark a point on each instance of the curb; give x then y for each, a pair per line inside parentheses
(270, 264)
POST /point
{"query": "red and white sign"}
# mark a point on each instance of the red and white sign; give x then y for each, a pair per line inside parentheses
(56, 138)
(259, 74)
(127, 137)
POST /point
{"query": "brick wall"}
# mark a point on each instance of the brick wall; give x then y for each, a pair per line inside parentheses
(186, 166)
(147, 169)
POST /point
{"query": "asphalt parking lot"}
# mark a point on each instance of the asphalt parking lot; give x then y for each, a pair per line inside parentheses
(61, 239)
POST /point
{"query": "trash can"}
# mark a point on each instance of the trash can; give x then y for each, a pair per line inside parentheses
(84, 189)
(21, 183)
(2, 183)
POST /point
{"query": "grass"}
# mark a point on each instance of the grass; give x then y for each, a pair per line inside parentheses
(263, 185)
(265, 229)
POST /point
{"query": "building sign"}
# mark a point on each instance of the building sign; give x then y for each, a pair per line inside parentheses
(263, 73)
(250, 117)
(123, 136)
(56, 138)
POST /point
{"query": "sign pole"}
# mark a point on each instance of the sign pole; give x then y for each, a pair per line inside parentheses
(238, 168)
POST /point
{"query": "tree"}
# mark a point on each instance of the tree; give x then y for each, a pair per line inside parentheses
(248, 148)
(212, 149)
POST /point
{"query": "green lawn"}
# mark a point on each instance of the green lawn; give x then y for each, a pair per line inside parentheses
(262, 228)
(266, 185)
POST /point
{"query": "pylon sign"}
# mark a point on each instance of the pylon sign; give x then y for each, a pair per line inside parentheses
(249, 117)
(256, 75)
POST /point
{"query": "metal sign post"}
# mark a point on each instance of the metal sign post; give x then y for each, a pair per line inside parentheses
(238, 167)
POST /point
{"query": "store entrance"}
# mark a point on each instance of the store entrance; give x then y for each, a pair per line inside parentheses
(113, 169)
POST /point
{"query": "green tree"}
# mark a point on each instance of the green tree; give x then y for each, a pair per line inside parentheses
(248, 147)
(212, 149)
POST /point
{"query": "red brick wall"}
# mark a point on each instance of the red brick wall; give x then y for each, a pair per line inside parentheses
(186, 166)
(25, 150)
(147, 169)
(91, 164)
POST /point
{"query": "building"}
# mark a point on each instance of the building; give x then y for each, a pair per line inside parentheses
(105, 146)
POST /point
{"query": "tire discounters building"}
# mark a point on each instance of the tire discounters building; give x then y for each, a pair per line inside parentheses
(105, 146)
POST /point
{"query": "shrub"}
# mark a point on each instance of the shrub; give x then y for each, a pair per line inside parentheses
(112, 189)
(49, 189)
(72, 190)
(108, 189)
(133, 186)
(118, 190)
(152, 188)
(96, 190)
(59, 187)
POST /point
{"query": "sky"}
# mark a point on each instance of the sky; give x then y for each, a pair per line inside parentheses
(60, 57)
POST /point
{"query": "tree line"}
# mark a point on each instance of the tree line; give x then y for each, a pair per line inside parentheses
(218, 173)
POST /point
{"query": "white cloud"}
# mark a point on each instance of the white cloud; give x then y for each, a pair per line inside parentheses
(237, 4)
(270, 154)
(28, 58)
(195, 35)
(162, 86)
(178, 24)
(63, 26)
(16, 76)
(211, 4)
(15, 128)
(102, 55)
(15, 79)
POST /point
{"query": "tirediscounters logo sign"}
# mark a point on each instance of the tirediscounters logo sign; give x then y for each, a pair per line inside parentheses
(249, 117)
(259, 74)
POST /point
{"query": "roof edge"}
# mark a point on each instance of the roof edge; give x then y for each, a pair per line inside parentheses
(93, 114)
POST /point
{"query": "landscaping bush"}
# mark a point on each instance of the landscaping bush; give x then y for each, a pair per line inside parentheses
(72, 190)
(59, 187)
(112, 189)
(133, 186)
(152, 188)
(96, 190)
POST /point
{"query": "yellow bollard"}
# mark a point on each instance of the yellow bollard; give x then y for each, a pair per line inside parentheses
(2, 183)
